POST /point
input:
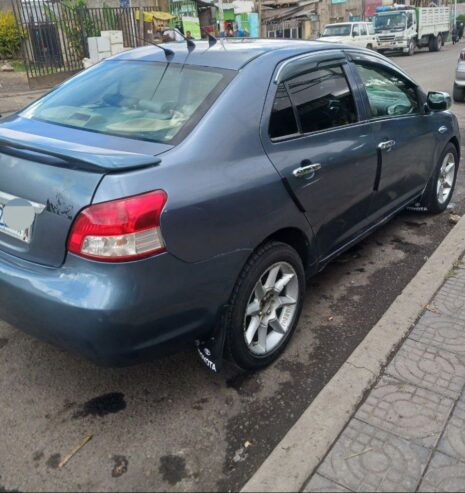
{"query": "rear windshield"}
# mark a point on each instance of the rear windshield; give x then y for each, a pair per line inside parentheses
(152, 101)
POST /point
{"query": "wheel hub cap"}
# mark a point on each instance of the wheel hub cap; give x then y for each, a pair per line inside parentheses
(271, 309)
(446, 178)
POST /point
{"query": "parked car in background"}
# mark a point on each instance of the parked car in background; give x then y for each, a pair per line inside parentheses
(359, 34)
(459, 81)
(166, 195)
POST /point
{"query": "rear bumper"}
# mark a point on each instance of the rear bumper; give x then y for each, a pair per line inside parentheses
(117, 314)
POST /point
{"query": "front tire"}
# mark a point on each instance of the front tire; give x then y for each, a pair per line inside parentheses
(411, 48)
(265, 306)
(441, 186)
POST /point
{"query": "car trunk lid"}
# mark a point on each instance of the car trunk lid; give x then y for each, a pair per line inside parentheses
(57, 178)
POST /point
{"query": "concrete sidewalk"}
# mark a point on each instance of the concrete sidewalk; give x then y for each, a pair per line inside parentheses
(409, 433)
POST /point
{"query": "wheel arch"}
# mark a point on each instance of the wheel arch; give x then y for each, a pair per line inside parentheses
(453, 140)
(298, 240)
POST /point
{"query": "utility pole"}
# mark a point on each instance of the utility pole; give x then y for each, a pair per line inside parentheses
(141, 23)
(220, 8)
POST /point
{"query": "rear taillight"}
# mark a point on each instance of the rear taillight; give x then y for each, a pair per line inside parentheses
(124, 229)
(462, 55)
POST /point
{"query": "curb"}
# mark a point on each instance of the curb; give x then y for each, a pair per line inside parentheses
(299, 453)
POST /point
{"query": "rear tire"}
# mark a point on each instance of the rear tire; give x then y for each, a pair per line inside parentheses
(265, 306)
(458, 94)
(437, 43)
(441, 186)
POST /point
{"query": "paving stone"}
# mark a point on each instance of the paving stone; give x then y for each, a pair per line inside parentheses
(320, 484)
(440, 331)
(410, 412)
(444, 474)
(453, 439)
(450, 300)
(429, 367)
(365, 458)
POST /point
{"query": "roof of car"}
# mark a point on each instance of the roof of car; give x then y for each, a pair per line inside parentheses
(232, 53)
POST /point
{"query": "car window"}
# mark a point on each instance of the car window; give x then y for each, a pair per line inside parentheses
(337, 30)
(137, 99)
(356, 30)
(389, 94)
(323, 99)
(282, 121)
(363, 29)
(371, 29)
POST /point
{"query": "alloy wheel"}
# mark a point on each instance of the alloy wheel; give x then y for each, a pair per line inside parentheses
(271, 309)
(446, 178)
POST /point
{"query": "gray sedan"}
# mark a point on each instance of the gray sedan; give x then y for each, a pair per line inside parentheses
(184, 194)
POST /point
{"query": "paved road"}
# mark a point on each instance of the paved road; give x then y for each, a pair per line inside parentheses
(171, 425)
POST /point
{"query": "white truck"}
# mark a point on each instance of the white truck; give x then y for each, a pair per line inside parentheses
(403, 28)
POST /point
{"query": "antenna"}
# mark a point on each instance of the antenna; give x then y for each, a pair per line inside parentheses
(190, 43)
(168, 53)
(211, 39)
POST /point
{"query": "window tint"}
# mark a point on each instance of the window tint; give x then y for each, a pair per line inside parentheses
(355, 30)
(282, 120)
(323, 99)
(363, 29)
(388, 93)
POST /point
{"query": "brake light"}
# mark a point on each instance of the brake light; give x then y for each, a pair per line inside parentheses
(462, 55)
(123, 229)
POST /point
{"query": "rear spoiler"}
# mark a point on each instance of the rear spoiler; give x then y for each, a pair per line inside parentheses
(82, 157)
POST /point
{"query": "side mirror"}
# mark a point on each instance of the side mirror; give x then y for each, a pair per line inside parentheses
(438, 101)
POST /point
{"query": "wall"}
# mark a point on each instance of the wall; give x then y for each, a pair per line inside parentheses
(338, 12)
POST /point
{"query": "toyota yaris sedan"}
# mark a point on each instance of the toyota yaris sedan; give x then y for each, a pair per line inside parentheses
(164, 197)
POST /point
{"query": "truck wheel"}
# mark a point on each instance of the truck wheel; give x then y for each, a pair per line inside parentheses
(369, 46)
(437, 43)
(431, 43)
(411, 48)
(441, 186)
(265, 306)
(458, 94)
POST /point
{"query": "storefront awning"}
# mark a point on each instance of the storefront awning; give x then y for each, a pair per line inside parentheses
(150, 15)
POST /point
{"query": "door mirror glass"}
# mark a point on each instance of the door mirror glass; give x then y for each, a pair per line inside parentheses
(438, 101)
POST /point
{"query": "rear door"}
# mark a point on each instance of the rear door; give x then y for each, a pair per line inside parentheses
(402, 131)
(312, 134)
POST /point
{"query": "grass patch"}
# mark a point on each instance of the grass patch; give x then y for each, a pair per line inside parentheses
(18, 65)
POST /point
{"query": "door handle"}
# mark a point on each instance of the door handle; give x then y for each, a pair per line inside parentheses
(387, 145)
(306, 170)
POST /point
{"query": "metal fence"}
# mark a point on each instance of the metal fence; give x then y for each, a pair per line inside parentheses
(55, 36)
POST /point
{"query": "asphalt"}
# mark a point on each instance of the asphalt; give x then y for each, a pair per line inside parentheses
(171, 425)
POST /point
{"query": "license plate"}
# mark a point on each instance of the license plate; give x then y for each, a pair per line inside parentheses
(23, 235)
(20, 234)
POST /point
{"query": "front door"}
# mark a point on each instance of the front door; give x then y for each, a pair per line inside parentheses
(314, 139)
(403, 132)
